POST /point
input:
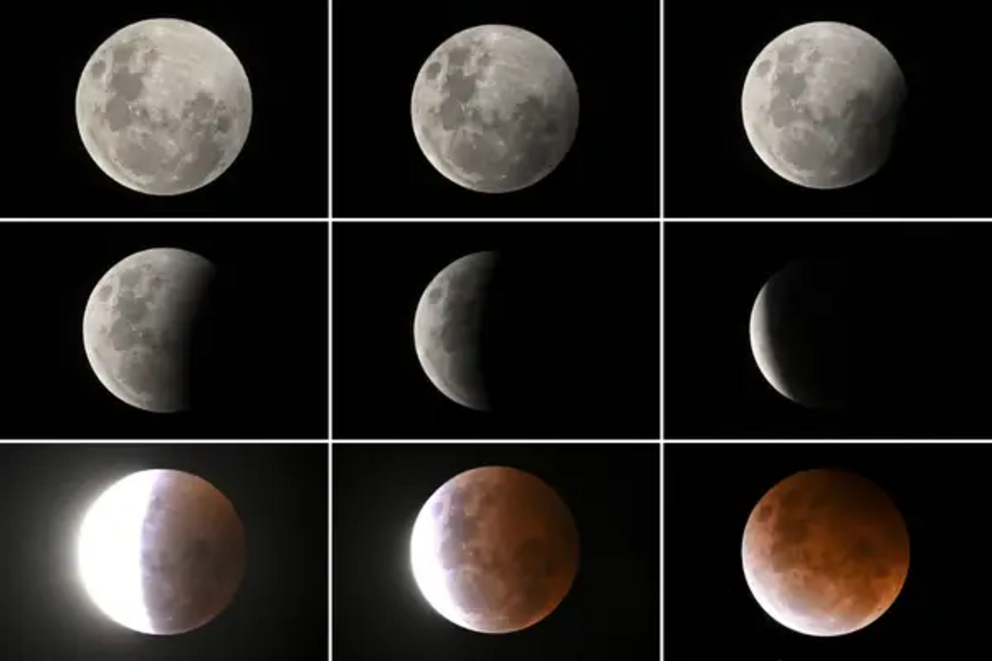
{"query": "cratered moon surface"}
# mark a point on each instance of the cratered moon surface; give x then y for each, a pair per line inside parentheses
(825, 552)
(162, 552)
(447, 329)
(163, 107)
(799, 332)
(495, 108)
(821, 103)
(494, 550)
(138, 324)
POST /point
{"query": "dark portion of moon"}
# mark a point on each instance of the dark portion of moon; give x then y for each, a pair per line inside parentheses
(825, 552)
(509, 547)
(821, 105)
(193, 553)
(800, 331)
(447, 329)
(163, 107)
(138, 324)
(495, 108)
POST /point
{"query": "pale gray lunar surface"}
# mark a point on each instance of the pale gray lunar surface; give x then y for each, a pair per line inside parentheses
(163, 106)
(821, 104)
(495, 108)
(447, 327)
(193, 553)
(137, 326)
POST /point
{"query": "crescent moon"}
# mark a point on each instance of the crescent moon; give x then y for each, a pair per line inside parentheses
(446, 329)
(799, 332)
(763, 349)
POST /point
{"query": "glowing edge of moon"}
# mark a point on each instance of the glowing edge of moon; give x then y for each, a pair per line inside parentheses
(761, 345)
(428, 574)
(109, 550)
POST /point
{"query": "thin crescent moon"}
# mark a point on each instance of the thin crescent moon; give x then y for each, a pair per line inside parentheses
(762, 348)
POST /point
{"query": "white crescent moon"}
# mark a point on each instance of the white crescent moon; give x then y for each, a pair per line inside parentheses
(763, 348)
(446, 329)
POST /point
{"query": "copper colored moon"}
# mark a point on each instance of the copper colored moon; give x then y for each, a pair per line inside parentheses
(494, 550)
(162, 552)
(825, 552)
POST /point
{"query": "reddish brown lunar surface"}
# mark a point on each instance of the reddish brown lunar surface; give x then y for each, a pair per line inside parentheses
(825, 552)
(495, 550)
(192, 553)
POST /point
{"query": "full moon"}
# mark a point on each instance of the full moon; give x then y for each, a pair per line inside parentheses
(825, 552)
(163, 107)
(161, 552)
(494, 550)
(495, 108)
(799, 332)
(447, 329)
(138, 324)
(821, 103)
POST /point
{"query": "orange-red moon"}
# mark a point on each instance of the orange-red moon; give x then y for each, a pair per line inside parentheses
(825, 552)
(494, 550)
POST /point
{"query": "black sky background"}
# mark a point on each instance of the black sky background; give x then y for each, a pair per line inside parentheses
(917, 332)
(576, 330)
(260, 363)
(280, 493)
(711, 169)
(282, 171)
(612, 169)
(612, 607)
(710, 490)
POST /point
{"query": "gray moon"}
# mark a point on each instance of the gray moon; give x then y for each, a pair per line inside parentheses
(447, 328)
(137, 326)
(495, 109)
(163, 107)
(821, 104)
(799, 333)
(162, 552)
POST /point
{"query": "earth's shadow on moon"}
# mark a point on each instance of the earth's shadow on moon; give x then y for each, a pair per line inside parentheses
(220, 367)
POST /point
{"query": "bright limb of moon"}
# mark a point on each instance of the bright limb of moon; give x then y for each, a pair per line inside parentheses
(110, 550)
(427, 572)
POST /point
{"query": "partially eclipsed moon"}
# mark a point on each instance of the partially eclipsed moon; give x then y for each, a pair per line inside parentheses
(447, 329)
(799, 332)
(494, 550)
(825, 552)
(821, 103)
(138, 324)
(161, 552)
(163, 107)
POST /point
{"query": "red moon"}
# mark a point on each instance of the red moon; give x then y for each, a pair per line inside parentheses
(825, 552)
(494, 550)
